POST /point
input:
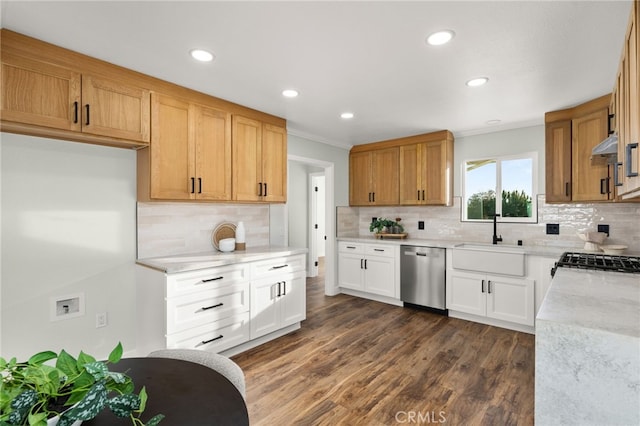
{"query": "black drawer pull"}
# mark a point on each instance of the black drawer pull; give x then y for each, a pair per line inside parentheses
(279, 267)
(351, 247)
(265, 189)
(378, 249)
(199, 185)
(421, 254)
(212, 279)
(193, 185)
(206, 308)
(284, 288)
(204, 342)
(75, 112)
(260, 190)
(87, 106)
(482, 286)
(489, 286)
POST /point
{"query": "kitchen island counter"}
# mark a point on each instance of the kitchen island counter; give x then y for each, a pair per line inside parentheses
(588, 349)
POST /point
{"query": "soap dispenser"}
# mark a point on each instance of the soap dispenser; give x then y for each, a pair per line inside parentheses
(240, 236)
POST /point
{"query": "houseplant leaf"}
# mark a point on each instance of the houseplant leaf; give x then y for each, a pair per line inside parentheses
(42, 357)
(116, 353)
(89, 407)
(124, 405)
(67, 364)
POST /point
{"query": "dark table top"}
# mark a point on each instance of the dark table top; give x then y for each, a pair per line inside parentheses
(185, 392)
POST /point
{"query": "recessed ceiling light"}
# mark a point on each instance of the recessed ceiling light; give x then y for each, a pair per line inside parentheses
(289, 93)
(440, 37)
(475, 82)
(492, 122)
(346, 115)
(201, 55)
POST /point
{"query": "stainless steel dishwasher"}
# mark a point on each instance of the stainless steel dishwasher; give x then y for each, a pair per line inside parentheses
(422, 277)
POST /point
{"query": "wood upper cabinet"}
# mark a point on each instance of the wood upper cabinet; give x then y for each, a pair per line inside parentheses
(373, 177)
(558, 161)
(426, 173)
(591, 180)
(572, 174)
(39, 93)
(113, 109)
(627, 101)
(42, 94)
(259, 161)
(190, 153)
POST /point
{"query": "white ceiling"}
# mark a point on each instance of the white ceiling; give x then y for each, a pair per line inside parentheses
(366, 57)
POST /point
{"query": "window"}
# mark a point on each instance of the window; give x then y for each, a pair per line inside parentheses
(514, 177)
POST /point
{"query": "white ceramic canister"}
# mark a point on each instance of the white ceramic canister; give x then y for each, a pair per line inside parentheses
(240, 233)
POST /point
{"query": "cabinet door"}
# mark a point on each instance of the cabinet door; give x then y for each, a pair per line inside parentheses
(360, 189)
(385, 176)
(350, 271)
(466, 293)
(40, 94)
(631, 159)
(511, 300)
(379, 276)
(410, 175)
(590, 181)
(112, 109)
(212, 154)
(274, 163)
(247, 159)
(172, 150)
(558, 161)
(294, 300)
(434, 175)
(264, 308)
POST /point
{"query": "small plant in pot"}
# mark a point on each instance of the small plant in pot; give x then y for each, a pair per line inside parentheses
(382, 225)
(72, 390)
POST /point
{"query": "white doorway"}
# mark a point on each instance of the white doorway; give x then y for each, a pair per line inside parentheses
(324, 216)
(316, 224)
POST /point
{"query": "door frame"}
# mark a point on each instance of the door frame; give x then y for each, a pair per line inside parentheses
(330, 277)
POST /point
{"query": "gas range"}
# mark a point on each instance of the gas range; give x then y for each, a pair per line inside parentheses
(598, 261)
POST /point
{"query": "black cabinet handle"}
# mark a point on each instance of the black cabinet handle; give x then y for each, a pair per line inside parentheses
(489, 286)
(87, 108)
(378, 250)
(279, 266)
(279, 290)
(351, 247)
(418, 195)
(199, 185)
(628, 157)
(566, 189)
(265, 189)
(616, 174)
(284, 288)
(609, 129)
(204, 342)
(365, 264)
(212, 279)
(75, 112)
(206, 308)
(482, 286)
(604, 186)
(193, 185)
(369, 197)
(423, 195)
(373, 197)
(361, 263)
(260, 189)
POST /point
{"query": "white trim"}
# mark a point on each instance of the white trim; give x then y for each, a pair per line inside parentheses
(316, 138)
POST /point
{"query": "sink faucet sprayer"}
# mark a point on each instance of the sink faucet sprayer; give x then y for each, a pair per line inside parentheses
(496, 238)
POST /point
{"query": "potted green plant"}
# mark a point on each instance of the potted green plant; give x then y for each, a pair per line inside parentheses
(73, 390)
(383, 225)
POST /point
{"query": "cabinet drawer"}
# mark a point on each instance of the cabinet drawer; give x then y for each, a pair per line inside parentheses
(380, 250)
(206, 279)
(277, 266)
(215, 337)
(201, 308)
(349, 247)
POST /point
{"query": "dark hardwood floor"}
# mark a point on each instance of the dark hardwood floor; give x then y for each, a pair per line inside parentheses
(359, 362)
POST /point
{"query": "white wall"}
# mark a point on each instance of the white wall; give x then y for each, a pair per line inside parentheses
(298, 202)
(68, 226)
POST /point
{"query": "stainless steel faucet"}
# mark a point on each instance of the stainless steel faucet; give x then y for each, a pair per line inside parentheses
(496, 238)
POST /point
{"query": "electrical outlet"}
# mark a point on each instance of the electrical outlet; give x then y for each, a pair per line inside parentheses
(553, 228)
(604, 228)
(421, 224)
(101, 319)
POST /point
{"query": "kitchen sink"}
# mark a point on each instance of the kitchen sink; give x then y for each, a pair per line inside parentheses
(490, 258)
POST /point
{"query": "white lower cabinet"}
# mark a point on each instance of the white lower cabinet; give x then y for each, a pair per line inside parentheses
(277, 303)
(370, 268)
(216, 309)
(503, 298)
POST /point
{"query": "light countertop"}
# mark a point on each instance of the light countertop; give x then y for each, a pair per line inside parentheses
(211, 259)
(588, 349)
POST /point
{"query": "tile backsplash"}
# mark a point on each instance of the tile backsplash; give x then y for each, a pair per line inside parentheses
(443, 223)
(180, 228)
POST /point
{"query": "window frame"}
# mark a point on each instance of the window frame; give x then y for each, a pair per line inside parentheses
(499, 159)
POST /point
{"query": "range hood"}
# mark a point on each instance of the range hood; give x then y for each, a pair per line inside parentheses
(607, 148)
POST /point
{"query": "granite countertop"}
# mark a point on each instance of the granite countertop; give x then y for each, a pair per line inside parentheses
(588, 349)
(598, 300)
(211, 259)
(545, 251)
